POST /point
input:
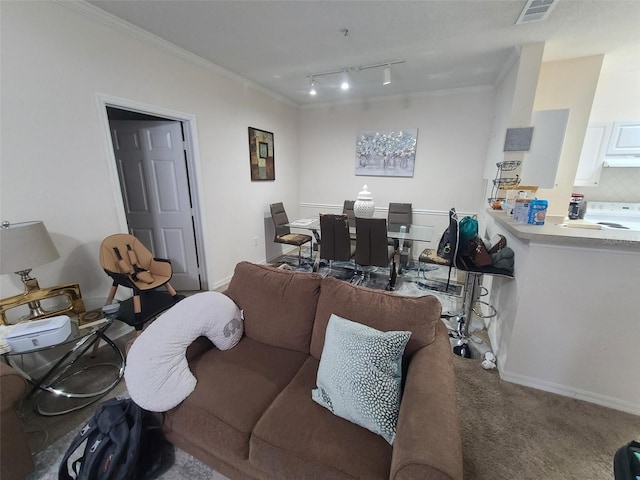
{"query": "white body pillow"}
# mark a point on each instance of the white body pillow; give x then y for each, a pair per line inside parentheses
(157, 373)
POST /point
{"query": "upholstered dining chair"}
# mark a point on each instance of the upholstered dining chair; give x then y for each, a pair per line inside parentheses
(400, 214)
(347, 209)
(283, 233)
(130, 264)
(372, 248)
(335, 240)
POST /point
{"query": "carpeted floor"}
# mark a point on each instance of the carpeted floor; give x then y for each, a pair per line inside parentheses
(508, 431)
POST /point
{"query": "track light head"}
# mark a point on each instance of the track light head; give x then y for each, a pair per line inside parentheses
(312, 89)
(387, 75)
(345, 81)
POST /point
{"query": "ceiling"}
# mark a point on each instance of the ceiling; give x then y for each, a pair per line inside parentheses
(445, 44)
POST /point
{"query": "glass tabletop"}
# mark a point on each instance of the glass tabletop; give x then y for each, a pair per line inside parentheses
(418, 233)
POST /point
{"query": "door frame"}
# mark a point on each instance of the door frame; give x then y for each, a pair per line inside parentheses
(192, 153)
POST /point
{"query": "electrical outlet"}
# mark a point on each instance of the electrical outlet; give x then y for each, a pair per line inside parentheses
(255, 241)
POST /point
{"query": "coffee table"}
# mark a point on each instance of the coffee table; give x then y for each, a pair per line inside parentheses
(71, 377)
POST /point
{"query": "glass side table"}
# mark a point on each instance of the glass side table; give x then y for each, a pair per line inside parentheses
(76, 379)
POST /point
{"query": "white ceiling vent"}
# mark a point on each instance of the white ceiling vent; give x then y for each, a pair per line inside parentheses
(536, 10)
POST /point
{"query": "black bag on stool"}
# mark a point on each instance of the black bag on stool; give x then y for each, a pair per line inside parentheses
(449, 239)
(122, 441)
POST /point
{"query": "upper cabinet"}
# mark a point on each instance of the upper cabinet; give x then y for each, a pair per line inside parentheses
(613, 144)
(625, 138)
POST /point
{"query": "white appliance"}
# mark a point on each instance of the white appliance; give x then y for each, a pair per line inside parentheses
(614, 215)
(37, 334)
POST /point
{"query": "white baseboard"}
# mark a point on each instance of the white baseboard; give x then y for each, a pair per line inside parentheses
(603, 400)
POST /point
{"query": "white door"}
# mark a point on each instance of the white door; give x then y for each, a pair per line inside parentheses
(155, 187)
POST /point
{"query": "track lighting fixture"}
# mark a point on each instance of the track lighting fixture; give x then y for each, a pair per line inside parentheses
(345, 82)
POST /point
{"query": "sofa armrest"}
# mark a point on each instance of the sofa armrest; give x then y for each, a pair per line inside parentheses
(12, 387)
(428, 444)
(17, 461)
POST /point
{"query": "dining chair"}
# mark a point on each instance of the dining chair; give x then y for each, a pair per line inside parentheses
(400, 214)
(347, 209)
(283, 233)
(335, 240)
(372, 248)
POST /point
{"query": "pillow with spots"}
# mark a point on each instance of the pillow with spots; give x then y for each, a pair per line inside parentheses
(360, 374)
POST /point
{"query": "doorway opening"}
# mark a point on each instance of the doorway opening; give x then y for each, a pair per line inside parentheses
(157, 184)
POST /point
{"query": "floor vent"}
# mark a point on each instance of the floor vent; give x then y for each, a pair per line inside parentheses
(536, 10)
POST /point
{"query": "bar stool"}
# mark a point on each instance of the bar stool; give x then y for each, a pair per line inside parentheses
(470, 298)
(429, 256)
(471, 293)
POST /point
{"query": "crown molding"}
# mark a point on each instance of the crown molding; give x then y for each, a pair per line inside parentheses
(117, 24)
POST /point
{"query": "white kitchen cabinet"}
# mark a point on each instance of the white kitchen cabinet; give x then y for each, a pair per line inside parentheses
(625, 138)
(592, 156)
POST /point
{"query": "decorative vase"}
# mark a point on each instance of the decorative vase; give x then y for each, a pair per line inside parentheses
(364, 207)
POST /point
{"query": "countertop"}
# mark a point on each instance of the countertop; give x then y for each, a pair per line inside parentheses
(571, 233)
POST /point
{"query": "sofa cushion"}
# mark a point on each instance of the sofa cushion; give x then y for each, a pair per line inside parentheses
(279, 305)
(297, 438)
(360, 375)
(378, 309)
(234, 389)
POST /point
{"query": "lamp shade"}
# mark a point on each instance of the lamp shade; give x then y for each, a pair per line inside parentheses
(25, 245)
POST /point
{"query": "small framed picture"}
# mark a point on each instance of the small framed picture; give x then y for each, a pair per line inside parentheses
(261, 155)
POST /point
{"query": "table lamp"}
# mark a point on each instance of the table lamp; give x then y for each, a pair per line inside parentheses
(23, 246)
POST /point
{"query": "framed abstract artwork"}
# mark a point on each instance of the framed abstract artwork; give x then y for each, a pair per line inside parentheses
(261, 156)
(388, 153)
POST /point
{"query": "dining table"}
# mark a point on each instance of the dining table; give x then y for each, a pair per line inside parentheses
(401, 232)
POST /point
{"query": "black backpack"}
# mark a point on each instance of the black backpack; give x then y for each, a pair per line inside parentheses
(122, 441)
(626, 462)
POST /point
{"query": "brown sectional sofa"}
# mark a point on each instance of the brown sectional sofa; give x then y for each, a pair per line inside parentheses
(16, 461)
(251, 414)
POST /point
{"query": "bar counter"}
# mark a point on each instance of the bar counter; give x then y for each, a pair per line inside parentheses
(568, 322)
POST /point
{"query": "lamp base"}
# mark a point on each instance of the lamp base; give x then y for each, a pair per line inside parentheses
(33, 295)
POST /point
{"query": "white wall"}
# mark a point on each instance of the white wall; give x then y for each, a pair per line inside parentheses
(55, 163)
(567, 84)
(453, 130)
(617, 96)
